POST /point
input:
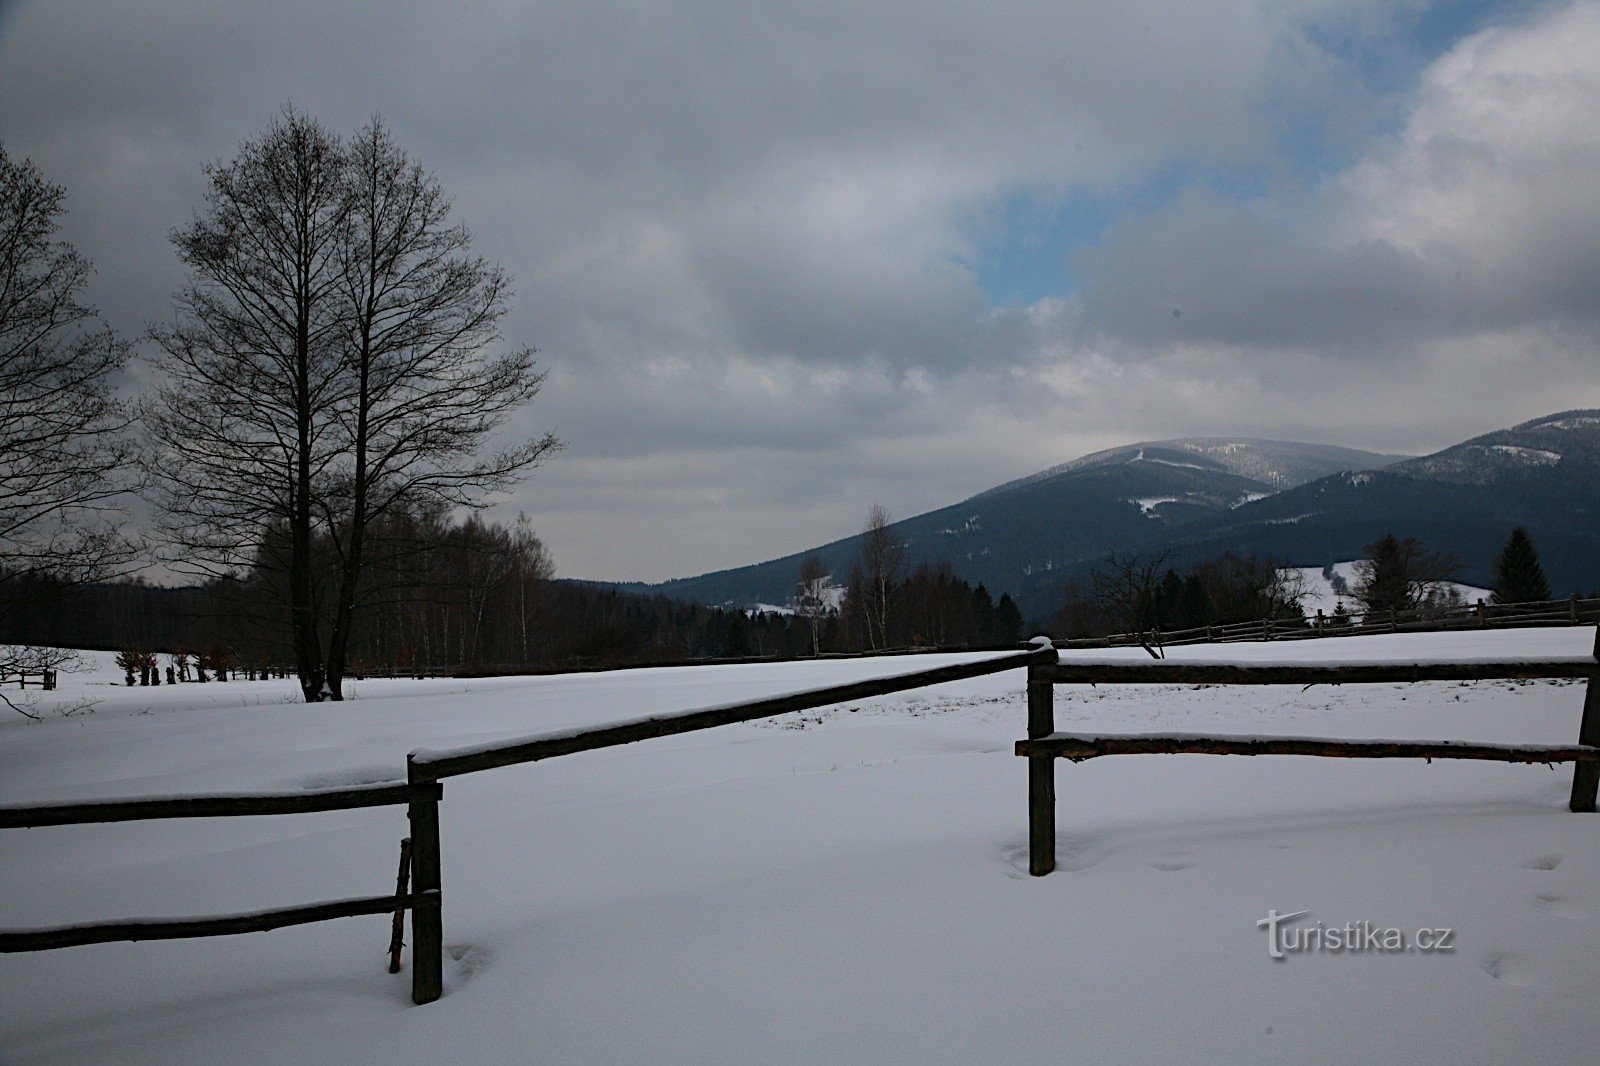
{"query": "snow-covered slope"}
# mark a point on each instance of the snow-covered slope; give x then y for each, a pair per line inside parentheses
(1280, 464)
(846, 885)
(1323, 594)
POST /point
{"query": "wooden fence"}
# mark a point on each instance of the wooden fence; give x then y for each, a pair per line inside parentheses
(1480, 615)
(215, 806)
(422, 793)
(47, 679)
(426, 770)
(1044, 745)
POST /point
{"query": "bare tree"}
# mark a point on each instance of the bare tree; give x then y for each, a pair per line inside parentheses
(1123, 588)
(250, 371)
(64, 455)
(532, 569)
(882, 567)
(811, 597)
(329, 367)
(421, 395)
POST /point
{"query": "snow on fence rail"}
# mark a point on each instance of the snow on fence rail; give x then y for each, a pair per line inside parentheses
(422, 793)
(1044, 745)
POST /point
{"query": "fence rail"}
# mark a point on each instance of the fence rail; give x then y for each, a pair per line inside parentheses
(213, 806)
(433, 765)
(1044, 745)
(424, 767)
(68, 936)
(221, 805)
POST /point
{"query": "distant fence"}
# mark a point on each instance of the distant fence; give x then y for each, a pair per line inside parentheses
(1480, 615)
(1044, 745)
(46, 679)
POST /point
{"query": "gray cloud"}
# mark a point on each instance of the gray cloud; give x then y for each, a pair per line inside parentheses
(741, 234)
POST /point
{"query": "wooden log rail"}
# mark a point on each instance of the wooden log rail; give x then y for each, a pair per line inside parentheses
(1080, 746)
(67, 936)
(432, 765)
(223, 805)
(1107, 671)
(1044, 745)
(425, 767)
(424, 794)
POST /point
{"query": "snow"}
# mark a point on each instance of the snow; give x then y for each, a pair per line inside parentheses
(1140, 458)
(847, 884)
(1531, 456)
(1150, 503)
(1320, 595)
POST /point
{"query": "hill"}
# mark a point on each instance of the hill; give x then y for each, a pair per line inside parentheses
(1304, 504)
(1015, 536)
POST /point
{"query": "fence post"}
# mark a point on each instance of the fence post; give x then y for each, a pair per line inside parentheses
(1483, 618)
(1041, 774)
(1572, 608)
(1586, 775)
(427, 932)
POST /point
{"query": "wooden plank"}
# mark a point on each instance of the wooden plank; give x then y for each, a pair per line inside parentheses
(551, 745)
(1168, 672)
(1041, 776)
(1586, 776)
(1080, 746)
(13, 940)
(427, 930)
(402, 885)
(218, 806)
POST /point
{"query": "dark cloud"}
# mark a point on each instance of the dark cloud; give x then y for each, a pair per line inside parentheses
(742, 236)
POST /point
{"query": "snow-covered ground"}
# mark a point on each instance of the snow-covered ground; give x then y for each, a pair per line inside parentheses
(844, 885)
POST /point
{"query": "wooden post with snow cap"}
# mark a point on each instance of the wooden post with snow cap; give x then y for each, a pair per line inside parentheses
(1586, 775)
(427, 933)
(1041, 771)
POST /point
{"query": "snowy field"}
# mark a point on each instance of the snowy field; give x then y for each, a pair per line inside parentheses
(845, 885)
(1321, 596)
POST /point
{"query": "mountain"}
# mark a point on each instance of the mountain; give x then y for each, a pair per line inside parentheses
(1014, 536)
(1281, 464)
(1543, 475)
(1304, 504)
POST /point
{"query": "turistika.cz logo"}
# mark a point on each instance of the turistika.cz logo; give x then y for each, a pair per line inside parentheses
(1285, 938)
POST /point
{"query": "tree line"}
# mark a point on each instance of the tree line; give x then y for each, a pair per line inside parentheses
(446, 593)
(1140, 594)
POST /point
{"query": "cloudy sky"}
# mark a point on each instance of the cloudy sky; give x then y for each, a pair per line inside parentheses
(784, 260)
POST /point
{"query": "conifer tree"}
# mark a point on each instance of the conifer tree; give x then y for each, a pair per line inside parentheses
(1519, 578)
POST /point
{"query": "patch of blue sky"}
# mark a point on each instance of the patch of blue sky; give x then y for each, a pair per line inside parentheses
(1391, 63)
(1023, 240)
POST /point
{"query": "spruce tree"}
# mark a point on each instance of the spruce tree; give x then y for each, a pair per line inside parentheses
(1385, 577)
(1519, 578)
